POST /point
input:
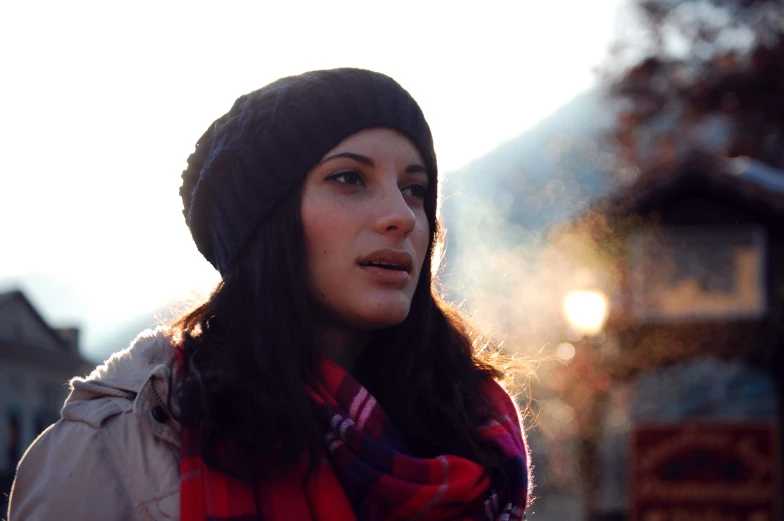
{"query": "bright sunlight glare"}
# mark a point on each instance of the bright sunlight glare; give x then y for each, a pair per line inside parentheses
(586, 311)
(102, 103)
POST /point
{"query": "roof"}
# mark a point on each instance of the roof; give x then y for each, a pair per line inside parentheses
(65, 359)
(9, 297)
(758, 172)
(748, 179)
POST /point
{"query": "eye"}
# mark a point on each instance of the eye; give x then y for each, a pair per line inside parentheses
(417, 191)
(347, 177)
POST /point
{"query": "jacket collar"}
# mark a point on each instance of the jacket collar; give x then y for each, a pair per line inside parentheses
(139, 373)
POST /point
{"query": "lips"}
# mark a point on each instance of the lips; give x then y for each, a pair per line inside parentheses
(386, 259)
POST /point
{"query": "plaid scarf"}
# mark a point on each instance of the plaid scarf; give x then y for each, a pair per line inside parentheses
(366, 472)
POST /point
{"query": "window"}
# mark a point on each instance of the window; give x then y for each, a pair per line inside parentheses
(698, 274)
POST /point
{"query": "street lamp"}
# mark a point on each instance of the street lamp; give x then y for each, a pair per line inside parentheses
(586, 310)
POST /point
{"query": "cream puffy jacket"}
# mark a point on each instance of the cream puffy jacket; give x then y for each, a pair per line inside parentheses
(114, 454)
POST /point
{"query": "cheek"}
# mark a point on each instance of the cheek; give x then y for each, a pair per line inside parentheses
(420, 239)
(318, 242)
(326, 246)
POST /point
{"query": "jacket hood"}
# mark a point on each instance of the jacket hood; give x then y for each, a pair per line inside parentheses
(125, 372)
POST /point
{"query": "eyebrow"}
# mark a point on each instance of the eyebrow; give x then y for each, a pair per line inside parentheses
(365, 160)
(351, 155)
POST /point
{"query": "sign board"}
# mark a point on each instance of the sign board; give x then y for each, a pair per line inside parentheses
(705, 472)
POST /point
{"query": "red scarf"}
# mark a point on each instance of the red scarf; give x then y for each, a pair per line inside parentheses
(365, 471)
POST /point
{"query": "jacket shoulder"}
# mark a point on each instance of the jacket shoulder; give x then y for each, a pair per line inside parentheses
(98, 462)
(101, 460)
(67, 473)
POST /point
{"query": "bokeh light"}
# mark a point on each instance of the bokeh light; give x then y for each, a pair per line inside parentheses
(565, 351)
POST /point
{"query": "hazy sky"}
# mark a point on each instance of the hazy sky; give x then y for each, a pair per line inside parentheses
(101, 103)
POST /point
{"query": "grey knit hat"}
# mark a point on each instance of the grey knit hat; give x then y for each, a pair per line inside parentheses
(260, 151)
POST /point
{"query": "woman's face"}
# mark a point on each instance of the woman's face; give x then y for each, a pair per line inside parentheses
(366, 232)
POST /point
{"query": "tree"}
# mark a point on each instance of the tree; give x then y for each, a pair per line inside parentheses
(699, 76)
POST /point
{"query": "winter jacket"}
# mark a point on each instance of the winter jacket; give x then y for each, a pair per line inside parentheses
(114, 454)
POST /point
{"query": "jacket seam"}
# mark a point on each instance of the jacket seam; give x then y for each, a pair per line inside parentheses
(169, 491)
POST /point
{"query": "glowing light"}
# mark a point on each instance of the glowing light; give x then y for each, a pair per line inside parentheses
(586, 311)
(565, 351)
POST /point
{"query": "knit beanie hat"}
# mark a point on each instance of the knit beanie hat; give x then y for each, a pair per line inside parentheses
(260, 152)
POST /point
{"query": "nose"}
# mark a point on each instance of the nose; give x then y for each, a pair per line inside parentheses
(393, 213)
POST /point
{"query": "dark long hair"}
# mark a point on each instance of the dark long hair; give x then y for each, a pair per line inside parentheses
(249, 351)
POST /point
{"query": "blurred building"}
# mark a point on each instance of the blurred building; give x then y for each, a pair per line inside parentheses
(36, 362)
(673, 409)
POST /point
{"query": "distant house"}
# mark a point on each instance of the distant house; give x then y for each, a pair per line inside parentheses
(36, 362)
(691, 256)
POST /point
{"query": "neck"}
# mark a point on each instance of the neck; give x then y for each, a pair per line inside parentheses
(341, 345)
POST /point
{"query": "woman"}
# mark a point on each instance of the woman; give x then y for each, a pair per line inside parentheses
(323, 379)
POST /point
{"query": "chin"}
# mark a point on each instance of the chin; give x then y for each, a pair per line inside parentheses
(381, 315)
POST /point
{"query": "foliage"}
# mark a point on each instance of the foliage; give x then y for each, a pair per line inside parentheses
(709, 78)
